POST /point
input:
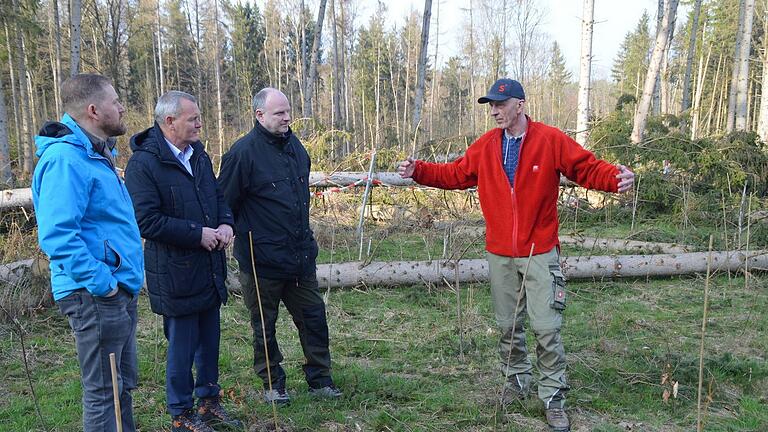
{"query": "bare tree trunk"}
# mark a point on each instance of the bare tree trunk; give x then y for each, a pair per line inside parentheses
(161, 72)
(710, 112)
(14, 99)
(56, 55)
(662, 39)
(336, 73)
(75, 16)
(689, 57)
(422, 66)
(585, 72)
(25, 137)
(582, 267)
(472, 68)
(742, 87)
(217, 72)
(6, 174)
(435, 76)
(308, 92)
(762, 124)
(731, 113)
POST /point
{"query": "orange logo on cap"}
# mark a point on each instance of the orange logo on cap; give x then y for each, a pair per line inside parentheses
(502, 87)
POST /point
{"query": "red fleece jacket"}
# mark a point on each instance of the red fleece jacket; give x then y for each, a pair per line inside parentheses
(516, 218)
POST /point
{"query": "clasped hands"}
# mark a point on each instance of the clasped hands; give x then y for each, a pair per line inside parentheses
(218, 238)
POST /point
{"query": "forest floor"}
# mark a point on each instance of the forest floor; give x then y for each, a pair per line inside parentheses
(406, 364)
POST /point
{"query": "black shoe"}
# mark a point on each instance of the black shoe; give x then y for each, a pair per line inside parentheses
(211, 411)
(189, 421)
(278, 395)
(329, 392)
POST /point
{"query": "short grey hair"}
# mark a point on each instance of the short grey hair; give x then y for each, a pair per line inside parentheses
(169, 104)
(260, 98)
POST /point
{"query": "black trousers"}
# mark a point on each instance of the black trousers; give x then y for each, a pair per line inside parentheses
(301, 296)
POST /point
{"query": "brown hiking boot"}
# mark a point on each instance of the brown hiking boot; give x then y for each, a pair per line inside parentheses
(189, 421)
(211, 411)
(558, 420)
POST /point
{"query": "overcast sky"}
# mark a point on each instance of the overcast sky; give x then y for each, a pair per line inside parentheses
(562, 22)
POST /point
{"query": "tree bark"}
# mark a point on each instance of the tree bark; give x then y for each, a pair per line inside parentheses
(217, 72)
(762, 124)
(730, 115)
(56, 55)
(662, 39)
(742, 84)
(689, 57)
(25, 137)
(422, 66)
(352, 274)
(585, 72)
(309, 91)
(6, 173)
(75, 17)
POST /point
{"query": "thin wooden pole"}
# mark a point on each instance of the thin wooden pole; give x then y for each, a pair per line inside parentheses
(116, 392)
(703, 334)
(263, 328)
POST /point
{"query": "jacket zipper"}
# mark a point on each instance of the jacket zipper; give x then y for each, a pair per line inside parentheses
(515, 221)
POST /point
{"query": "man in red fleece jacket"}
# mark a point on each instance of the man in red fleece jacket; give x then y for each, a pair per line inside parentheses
(516, 168)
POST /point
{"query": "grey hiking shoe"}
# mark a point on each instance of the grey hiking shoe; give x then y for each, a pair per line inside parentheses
(329, 392)
(558, 420)
(277, 395)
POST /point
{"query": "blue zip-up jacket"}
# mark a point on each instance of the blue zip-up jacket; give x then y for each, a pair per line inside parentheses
(85, 218)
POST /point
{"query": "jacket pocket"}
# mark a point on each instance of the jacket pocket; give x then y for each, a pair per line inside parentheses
(111, 257)
(188, 275)
(558, 288)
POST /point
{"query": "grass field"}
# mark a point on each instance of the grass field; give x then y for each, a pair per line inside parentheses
(406, 365)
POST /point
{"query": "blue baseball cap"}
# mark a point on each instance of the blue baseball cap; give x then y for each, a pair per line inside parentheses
(503, 89)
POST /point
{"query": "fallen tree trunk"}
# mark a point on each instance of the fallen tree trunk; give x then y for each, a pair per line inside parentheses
(12, 198)
(593, 267)
(349, 274)
(614, 245)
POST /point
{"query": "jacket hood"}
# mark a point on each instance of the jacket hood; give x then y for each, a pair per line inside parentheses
(56, 132)
(147, 140)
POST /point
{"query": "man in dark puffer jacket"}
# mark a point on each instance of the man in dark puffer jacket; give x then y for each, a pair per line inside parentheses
(264, 177)
(186, 223)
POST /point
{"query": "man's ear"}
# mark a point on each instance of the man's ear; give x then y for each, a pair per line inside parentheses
(168, 120)
(90, 111)
(259, 114)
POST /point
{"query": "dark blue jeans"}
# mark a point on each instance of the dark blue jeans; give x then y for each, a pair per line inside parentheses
(104, 325)
(192, 339)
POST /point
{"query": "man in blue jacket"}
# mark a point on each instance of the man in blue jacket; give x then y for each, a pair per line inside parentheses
(186, 224)
(264, 177)
(87, 228)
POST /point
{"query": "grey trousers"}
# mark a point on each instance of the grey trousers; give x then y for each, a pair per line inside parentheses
(104, 325)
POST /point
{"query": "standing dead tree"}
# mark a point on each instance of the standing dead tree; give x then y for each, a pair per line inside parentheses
(659, 49)
(585, 72)
(421, 71)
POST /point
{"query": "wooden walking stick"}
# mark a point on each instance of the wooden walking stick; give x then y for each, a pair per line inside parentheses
(263, 328)
(116, 392)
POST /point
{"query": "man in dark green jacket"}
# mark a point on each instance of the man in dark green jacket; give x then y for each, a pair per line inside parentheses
(265, 177)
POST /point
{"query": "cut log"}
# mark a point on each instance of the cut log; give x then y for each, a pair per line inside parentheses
(13, 198)
(476, 270)
(613, 245)
(350, 274)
